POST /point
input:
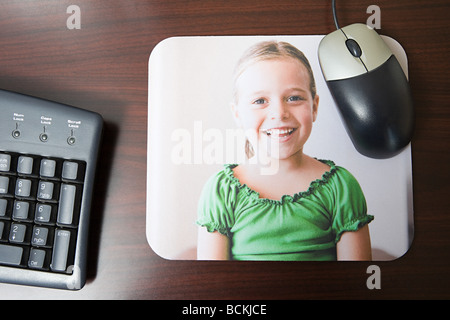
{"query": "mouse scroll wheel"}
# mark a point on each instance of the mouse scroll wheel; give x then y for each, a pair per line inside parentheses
(353, 47)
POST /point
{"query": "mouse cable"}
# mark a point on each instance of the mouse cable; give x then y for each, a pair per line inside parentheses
(336, 23)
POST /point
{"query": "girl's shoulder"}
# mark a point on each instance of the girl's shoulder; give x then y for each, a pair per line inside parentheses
(340, 179)
(223, 176)
(221, 182)
(331, 177)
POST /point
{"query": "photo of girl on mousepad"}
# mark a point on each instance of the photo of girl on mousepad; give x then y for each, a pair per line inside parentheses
(248, 158)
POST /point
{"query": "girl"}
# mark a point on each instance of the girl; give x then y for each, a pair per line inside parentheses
(307, 209)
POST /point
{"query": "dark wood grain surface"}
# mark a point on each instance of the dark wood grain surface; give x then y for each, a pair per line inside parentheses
(103, 67)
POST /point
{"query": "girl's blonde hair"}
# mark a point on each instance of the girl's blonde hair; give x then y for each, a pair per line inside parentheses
(268, 50)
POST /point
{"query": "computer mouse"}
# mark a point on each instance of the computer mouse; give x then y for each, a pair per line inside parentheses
(370, 89)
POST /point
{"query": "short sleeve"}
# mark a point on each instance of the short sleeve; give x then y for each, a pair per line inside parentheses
(215, 207)
(350, 208)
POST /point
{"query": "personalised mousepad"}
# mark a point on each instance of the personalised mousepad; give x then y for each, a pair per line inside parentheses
(192, 134)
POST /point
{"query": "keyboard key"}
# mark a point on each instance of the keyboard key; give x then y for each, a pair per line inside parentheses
(37, 258)
(60, 250)
(48, 168)
(70, 170)
(43, 213)
(45, 191)
(5, 162)
(25, 165)
(23, 188)
(4, 185)
(3, 207)
(10, 255)
(40, 236)
(18, 233)
(21, 210)
(2, 227)
(66, 204)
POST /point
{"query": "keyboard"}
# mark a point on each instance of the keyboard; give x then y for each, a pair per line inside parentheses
(48, 157)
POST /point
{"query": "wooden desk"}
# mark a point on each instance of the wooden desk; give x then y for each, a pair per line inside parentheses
(103, 67)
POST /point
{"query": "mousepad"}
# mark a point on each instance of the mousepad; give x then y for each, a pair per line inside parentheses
(192, 134)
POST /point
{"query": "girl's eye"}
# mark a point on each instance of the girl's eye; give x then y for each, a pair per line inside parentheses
(295, 98)
(259, 101)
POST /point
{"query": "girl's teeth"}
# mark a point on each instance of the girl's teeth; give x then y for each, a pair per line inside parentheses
(279, 132)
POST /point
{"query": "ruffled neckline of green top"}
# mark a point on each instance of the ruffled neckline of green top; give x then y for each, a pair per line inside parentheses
(228, 170)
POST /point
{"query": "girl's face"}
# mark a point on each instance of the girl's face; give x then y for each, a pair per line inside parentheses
(274, 104)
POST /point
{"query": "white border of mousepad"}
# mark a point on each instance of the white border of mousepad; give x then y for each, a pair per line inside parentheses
(189, 95)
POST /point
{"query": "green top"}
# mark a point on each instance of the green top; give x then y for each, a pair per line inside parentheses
(304, 226)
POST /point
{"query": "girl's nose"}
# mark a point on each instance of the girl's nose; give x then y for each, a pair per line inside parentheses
(278, 110)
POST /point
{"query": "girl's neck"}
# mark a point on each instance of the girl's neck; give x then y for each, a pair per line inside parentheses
(291, 176)
(282, 167)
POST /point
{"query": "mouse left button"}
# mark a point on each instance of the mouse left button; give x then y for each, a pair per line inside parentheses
(335, 60)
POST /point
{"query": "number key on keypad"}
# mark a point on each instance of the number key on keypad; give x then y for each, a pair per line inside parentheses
(10, 255)
(17, 233)
(23, 188)
(2, 227)
(43, 213)
(3, 207)
(4, 185)
(45, 190)
(21, 210)
(37, 258)
(40, 236)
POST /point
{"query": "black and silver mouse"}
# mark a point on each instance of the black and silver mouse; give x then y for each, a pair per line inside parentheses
(370, 89)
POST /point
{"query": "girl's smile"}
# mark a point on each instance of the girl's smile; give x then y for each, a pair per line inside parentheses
(279, 134)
